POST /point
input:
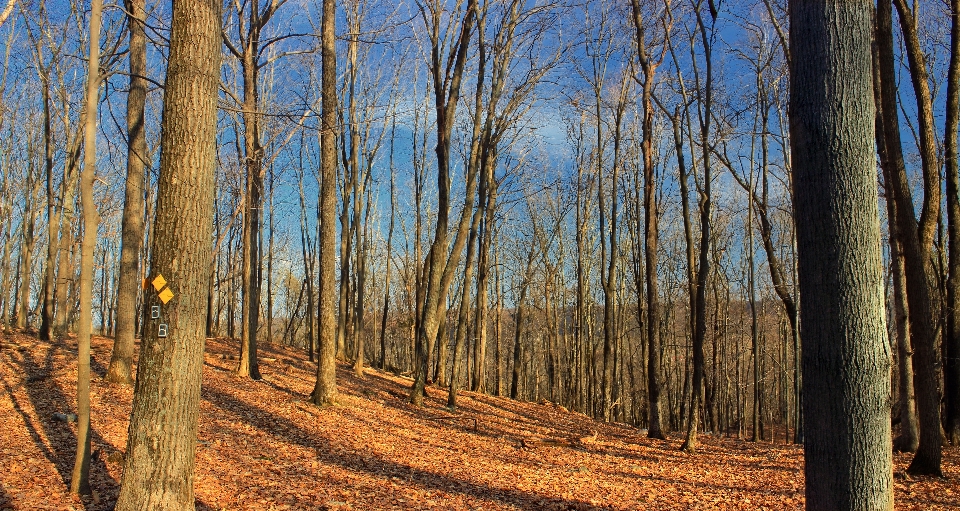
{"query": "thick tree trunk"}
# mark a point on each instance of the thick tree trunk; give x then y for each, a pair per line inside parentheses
(846, 362)
(325, 390)
(159, 461)
(121, 360)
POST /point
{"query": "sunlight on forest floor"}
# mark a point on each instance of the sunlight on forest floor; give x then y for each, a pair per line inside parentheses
(262, 446)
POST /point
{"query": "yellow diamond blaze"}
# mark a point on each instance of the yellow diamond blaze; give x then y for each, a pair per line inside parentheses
(159, 282)
(166, 295)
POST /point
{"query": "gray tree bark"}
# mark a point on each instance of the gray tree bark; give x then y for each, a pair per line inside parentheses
(846, 361)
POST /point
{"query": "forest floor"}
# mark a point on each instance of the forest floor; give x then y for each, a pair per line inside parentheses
(262, 446)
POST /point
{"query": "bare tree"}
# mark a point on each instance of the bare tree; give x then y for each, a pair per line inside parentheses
(128, 286)
(706, 197)
(438, 268)
(325, 390)
(249, 51)
(80, 480)
(159, 461)
(845, 358)
(651, 216)
(917, 241)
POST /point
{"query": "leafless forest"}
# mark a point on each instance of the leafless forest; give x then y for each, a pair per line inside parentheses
(584, 202)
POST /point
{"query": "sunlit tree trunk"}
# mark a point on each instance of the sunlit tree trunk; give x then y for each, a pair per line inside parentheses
(80, 478)
(917, 240)
(121, 360)
(158, 468)
(325, 390)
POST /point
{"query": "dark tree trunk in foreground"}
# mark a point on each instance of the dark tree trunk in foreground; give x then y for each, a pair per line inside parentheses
(847, 452)
(121, 361)
(159, 461)
(80, 479)
(325, 390)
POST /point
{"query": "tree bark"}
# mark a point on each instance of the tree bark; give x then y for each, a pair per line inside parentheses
(917, 245)
(80, 478)
(159, 463)
(952, 339)
(121, 360)
(325, 391)
(845, 356)
(651, 231)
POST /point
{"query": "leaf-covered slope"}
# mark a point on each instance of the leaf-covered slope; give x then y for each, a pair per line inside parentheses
(262, 446)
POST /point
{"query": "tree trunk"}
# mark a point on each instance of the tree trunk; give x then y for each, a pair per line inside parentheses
(26, 250)
(53, 218)
(845, 358)
(325, 390)
(464, 312)
(909, 436)
(917, 244)
(253, 201)
(952, 338)
(121, 360)
(80, 479)
(651, 230)
(159, 461)
(703, 266)
(439, 267)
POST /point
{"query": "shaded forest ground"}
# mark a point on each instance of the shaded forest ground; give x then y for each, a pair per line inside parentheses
(261, 446)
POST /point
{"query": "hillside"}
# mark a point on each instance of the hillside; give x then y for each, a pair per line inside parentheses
(261, 446)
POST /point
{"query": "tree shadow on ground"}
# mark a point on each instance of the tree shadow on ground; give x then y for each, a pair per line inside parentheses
(292, 433)
(47, 397)
(5, 502)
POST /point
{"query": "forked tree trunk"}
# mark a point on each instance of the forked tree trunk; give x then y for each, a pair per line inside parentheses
(651, 229)
(159, 461)
(846, 367)
(917, 242)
